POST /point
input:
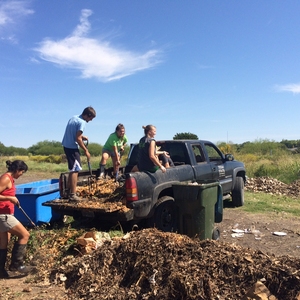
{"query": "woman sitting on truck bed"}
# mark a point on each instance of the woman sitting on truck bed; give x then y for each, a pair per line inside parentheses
(147, 156)
(164, 158)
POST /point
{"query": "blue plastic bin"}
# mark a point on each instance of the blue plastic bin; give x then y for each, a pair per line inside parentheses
(31, 196)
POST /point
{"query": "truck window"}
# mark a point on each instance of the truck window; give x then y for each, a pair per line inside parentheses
(198, 153)
(178, 152)
(133, 155)
(213, 153)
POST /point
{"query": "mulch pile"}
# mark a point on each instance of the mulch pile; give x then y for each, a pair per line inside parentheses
(105, 195)
(150, 264)
(273, 186)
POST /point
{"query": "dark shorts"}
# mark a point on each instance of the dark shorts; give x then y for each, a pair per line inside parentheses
(110, 153)
(165, 160)
(151, 170)
(73, 157)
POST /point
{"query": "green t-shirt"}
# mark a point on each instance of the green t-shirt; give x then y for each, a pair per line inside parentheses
(114, 141)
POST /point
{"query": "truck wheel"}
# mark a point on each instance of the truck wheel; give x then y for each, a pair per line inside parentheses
(165, 216)
(238, 192)
(77, 216)
(216, 234)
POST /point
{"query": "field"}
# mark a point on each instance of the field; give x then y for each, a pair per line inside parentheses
(51, 245)
(184, 268)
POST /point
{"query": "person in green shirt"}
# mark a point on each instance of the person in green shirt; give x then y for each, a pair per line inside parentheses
(113, 147)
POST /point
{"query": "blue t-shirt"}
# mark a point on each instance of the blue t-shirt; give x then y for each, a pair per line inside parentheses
(74, 125)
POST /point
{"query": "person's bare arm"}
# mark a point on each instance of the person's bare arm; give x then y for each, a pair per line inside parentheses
(154, 158)
(79, 139)
(5, 183)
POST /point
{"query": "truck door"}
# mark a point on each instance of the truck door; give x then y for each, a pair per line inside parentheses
(203, 169)
(216, 162)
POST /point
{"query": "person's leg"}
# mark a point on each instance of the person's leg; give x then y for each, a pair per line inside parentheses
(19, 249)
(114, 161)
(164, 160)
(170, 162)
(105, 157)
(135, 169)
(4, 239)
(74, 165)
(72, 182)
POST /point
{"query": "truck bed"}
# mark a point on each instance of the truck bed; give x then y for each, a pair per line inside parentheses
(111, 211)
(103, 199)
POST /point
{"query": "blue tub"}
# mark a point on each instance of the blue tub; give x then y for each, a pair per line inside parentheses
(31, 196)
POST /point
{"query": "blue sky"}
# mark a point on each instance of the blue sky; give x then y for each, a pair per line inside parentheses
(224, 70)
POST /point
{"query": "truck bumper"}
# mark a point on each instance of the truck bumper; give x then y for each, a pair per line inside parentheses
(141, 208)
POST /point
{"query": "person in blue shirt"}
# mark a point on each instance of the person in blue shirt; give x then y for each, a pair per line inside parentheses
(73, 139)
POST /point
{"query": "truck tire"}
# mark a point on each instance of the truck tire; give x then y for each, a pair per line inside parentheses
(216, 234)
(238, 192)
(165, 215)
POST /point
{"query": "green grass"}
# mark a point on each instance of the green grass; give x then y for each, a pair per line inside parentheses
(271, 204)
(285, 167)
(40, 164)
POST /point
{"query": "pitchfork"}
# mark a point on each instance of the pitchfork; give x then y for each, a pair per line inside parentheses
(92, 178)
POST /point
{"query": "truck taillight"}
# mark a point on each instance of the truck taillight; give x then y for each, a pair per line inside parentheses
(131, 190)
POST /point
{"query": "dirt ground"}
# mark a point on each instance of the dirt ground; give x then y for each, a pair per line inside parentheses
(252, 247)
(264, 241)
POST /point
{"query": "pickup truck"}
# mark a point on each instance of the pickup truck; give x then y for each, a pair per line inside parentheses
(149, 196)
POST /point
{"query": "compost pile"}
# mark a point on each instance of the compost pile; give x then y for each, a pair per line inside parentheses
(273, 186)
(150, 264)
(105, 195)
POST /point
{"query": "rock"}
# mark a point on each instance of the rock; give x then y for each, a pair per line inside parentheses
(259, 292)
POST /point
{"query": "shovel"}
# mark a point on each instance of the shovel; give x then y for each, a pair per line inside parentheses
(25, 214)
(91, 178)
(117, 168)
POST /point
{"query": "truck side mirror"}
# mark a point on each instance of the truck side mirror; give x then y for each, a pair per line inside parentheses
(229, 157)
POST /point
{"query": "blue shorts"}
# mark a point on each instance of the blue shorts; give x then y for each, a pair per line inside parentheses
(73, 157)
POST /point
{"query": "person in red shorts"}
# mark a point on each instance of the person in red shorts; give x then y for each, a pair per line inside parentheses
(9, 225)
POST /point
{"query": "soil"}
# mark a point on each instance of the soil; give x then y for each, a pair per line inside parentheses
(252, 248)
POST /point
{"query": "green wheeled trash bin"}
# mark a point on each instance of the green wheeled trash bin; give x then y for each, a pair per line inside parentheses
(199, 205)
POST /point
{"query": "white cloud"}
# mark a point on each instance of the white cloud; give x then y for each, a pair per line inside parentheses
(95, 58)
(292, 87)
(11, 11)
(11, 15)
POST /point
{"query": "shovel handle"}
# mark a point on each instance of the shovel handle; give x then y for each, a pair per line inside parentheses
(90, 169)
(86, 142)
(25, 214)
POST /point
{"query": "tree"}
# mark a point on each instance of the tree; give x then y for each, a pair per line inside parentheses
(94, 149)
(185, 136)
(46, 148)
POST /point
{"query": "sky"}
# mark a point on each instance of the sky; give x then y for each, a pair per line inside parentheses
(227, 71)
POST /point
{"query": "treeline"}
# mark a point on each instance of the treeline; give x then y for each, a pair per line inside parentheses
(44, 148)
(262, 147)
